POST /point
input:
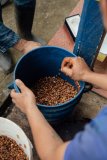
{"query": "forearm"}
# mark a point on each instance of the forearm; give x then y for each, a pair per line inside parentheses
(97, 79)
(48, 144)
(45, 138)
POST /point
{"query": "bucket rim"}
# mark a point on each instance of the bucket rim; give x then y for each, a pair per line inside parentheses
(42, 47)
(27, 139)
(58, 105)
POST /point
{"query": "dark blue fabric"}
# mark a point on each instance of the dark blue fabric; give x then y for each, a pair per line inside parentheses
(90, 32)
(25, 3)
(90, 144)
(7, 38)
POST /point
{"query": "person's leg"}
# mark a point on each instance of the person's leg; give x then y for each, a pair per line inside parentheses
(25, 3)
(24, 17)
(24, 11)
(8, 38)
(5, 59)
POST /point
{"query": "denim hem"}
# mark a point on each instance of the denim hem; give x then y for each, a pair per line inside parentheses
(13, 40)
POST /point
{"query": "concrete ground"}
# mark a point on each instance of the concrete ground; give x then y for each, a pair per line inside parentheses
(48, 18)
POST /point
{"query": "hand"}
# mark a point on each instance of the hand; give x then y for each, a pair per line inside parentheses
(24, 100)
(25, 46)
(75, 68)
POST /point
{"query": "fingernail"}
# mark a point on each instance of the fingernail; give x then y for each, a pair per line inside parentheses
(61, 70)
(17, 80)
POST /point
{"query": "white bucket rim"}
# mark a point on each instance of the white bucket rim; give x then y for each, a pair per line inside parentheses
(28, 142)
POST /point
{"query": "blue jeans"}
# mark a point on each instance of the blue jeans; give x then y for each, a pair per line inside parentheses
(9, 38)
(90, 32)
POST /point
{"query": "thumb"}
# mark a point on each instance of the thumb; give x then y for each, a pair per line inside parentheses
(20, 84)
(67, 71)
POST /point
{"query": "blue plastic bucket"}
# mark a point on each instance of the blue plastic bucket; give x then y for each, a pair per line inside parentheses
(46, 61)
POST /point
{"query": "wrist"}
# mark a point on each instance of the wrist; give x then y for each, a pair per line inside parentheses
(86, 76)
(30, 109)
(20, 45)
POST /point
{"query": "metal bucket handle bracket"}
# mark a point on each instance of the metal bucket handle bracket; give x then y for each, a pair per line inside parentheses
(87, 87)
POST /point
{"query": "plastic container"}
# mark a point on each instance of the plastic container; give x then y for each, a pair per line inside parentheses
(46, 61)
(10, 129)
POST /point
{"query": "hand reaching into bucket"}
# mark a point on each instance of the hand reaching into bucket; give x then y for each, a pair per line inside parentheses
(24, 100)
(75, 68)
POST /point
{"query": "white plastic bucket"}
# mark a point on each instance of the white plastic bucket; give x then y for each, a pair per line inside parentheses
(10, 129)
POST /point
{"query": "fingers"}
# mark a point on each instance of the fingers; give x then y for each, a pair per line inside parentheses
(38, 44)
(13, 101)
(20, 84)
(67, 65)
(65, 62)
(68, 62)
(35, 45)
(13, 93)
(67, 71)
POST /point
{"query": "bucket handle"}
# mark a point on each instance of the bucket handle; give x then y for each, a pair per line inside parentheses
(87, 87)
(11, 86)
